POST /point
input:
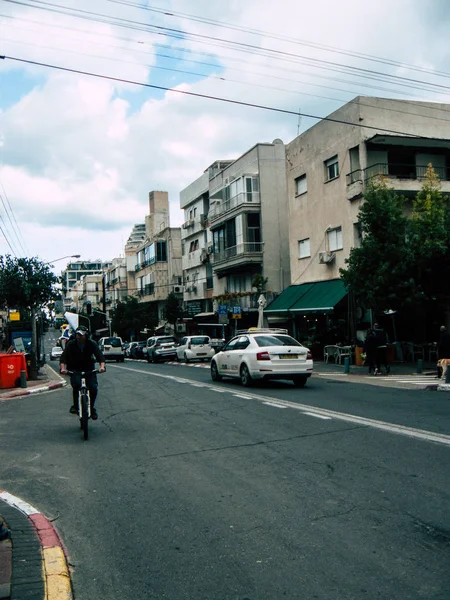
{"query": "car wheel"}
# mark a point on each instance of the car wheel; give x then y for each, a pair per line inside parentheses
(215, 375)
(246, 378)
(148, 358)
(177, 358)
(300, 382)
(186, 360)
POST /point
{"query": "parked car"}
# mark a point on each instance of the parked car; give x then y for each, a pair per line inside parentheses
(195, 347)
(263, 354)
(55, 353)
(161, 347)
(112, 348)
(138, 350)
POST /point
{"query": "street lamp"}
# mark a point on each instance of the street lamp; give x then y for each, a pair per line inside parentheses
(62, 258)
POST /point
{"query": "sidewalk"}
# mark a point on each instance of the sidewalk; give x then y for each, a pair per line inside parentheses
(33, 564)
(47, 380)
(401, 373)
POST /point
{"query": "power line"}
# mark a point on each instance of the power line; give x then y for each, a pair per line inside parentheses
(268, 34)
(240, 46)
(229, 68)
(12, 219)
(206, 96)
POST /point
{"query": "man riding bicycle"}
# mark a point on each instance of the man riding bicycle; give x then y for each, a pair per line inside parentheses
(80, 354)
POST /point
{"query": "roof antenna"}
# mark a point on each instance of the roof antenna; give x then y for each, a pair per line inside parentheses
(299, 121)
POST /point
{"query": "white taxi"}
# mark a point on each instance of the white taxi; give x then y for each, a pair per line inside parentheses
(263, 354)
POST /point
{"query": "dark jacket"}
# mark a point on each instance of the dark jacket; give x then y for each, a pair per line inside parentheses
(444, 345)
(381, 338)
(76, 359)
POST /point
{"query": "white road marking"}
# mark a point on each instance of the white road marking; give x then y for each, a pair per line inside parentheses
(274, 404)
(310, 414)
(242, 396)
(420, 434)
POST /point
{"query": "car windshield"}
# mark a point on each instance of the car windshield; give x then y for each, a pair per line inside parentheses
(113, 341)
(197, 341)
(276, 340)
(57, 349)
(165, 340)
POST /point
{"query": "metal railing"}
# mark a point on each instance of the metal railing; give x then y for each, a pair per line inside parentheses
(226, 205)
(397, 171)
(237, 251)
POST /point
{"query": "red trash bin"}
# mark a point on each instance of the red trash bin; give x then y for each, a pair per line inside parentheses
(10, 367)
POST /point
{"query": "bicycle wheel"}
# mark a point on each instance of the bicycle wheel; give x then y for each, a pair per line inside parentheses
(84, 417)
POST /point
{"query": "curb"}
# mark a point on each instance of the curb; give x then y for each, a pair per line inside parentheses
(35, 390)
(54, 572)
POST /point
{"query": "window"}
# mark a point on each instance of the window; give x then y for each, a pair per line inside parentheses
(251, 188)
(193, 246)
(301, 185)
(334, 239)
(331, 168)
(304, 248)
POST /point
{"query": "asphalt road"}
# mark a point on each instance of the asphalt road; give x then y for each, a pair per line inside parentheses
(193, 490)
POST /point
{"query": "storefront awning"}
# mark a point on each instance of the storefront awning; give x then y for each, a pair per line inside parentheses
(287, 298)
(321, 296)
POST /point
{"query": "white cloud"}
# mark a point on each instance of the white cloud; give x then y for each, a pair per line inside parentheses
(79, 154)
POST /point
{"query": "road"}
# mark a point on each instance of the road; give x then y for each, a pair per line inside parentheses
(189, 489)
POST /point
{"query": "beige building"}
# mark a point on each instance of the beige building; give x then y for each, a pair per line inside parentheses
(115, 284)
(158, 259)
(329, 165)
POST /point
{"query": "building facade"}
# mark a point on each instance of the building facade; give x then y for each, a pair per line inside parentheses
(158, 259)
(328, 168)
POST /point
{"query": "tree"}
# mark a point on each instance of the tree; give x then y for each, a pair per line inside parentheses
(379, 272)
(173, 309)
(26, 284)
(259, 282)
(131, 317)
(429, 243)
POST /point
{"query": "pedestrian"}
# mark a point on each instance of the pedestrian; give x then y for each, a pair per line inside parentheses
(443, 351)
(370, 345)
(381, 349)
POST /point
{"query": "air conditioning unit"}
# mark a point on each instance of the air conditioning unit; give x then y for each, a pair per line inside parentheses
(204, 256)
(325, 258)
(178, 289)
(210, 250)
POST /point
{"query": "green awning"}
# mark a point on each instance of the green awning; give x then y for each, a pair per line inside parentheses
(287, 298)
(321, 296)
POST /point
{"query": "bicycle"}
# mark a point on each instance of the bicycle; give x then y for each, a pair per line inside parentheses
(84, 401)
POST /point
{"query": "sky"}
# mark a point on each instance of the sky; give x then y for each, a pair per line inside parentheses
(79, 153)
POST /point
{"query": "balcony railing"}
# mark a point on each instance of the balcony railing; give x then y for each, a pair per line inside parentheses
(226, 205)
(237, 251)
(397, 171)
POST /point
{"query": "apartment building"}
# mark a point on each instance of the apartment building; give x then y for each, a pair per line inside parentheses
(158, 259)
(89, 288)
(75, 271)
(115, 284)
(236, 227)
(196, 248)
(328, 167)
(135, 241)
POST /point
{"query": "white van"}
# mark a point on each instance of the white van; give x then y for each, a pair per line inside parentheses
(112, 348)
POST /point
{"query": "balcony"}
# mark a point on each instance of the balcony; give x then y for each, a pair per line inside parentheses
(235, 256)
(400, 177)
(247, 199)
